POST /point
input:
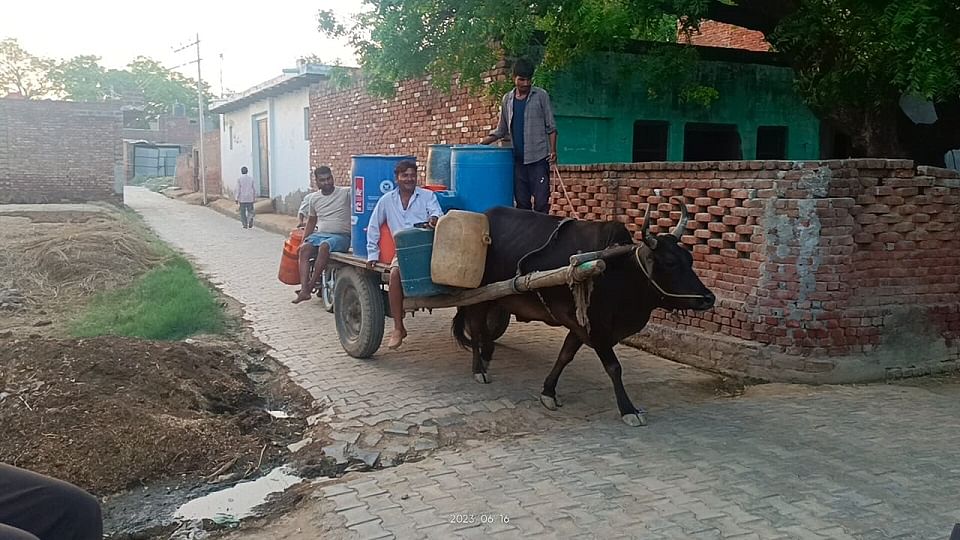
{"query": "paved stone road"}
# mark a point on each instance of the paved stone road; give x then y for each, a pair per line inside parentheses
(780, 462)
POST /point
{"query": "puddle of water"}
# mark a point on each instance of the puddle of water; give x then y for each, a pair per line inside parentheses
(237, 502)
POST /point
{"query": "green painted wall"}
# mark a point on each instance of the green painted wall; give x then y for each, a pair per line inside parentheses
(595, 110)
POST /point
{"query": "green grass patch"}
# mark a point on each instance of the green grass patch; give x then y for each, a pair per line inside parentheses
(168, 303)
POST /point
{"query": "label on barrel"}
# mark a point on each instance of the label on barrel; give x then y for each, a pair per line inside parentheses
(358, 194)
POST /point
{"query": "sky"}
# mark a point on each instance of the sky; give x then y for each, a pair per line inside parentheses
(256, 43)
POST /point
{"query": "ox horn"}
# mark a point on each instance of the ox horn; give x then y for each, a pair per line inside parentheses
(648, 239)
(684, 217)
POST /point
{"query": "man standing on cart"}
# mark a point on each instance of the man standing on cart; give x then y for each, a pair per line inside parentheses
(403, 208)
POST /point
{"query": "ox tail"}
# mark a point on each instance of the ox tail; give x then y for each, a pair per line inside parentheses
(459, 329)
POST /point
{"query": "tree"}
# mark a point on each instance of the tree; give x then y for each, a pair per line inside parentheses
(24, 73)
(162, 87)
(81, 78)
(145, 82)
(853, 59)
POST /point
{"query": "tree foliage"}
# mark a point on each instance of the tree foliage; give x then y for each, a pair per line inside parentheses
(448, 39)
(143, 83)
(24, 73)
(865, 52)
(853, 58)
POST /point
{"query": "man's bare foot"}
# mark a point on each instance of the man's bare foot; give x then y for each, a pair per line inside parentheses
(302, 297)
(396, 339)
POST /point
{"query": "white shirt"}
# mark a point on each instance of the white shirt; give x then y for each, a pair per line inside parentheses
(423, 206)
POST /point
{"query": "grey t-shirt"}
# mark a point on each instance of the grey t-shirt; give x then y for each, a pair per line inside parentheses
(305, 203)
(332, 211)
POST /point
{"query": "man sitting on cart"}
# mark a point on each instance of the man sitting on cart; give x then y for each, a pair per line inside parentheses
(329, 212)
(403, 208)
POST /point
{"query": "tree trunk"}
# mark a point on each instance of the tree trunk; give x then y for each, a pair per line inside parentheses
(872, 131)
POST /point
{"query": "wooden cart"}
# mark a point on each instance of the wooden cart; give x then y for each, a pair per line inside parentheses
(356, 296)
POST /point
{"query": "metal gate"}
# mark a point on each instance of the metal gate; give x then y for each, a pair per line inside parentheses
(149, 160)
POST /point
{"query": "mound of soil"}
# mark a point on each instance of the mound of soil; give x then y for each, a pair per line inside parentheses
(110, 413)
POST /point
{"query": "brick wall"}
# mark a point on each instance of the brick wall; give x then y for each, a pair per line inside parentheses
(824, 271)
(188, 177)
(53, 151)
(170, 130)
(349, 122)
(716, 34)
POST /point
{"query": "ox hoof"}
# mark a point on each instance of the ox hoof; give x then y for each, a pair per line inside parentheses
(635, 419)
(482, 378)
(551, 403)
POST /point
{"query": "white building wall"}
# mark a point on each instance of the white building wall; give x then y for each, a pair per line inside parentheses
(290, 171)
(236, 147)
(289, 150)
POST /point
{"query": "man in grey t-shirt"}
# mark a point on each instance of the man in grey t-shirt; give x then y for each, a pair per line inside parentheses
(526, 115)
(328, 211)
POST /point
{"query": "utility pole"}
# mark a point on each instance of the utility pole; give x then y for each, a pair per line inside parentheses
(203, 172)
(221, 74)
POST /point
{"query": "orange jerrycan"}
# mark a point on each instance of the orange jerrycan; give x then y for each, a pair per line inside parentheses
(388, 248)
(290, 260)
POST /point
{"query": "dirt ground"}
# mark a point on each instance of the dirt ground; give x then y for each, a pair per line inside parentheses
(111, 413)
(108, 413)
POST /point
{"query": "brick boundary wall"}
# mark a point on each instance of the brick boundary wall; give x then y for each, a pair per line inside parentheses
(350, 122)
(832, 271)
(59, 151)
(186, 179)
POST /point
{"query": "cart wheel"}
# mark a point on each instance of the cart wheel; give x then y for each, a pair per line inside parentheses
(359, 312)
(498, 319)
(327, 287)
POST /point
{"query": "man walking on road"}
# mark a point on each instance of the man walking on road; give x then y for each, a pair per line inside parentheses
(526, 114)
(246, 194)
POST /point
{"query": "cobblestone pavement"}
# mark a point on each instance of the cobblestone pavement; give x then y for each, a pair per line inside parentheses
(778, 462)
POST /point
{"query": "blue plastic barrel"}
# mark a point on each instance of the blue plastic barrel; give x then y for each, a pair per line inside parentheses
(414, 252)
(449, 200)
(481, 176)
(371, 177)
(438, 164)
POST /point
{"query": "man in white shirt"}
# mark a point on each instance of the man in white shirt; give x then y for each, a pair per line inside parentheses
(329, 212)
(402, 208)
(246, 195)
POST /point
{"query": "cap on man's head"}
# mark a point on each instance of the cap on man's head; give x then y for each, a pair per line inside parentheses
(243, 170)
(523, 68)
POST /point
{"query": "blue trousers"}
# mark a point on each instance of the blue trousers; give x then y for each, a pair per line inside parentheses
(532, 181)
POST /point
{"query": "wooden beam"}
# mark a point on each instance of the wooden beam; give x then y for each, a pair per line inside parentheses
(528, 282)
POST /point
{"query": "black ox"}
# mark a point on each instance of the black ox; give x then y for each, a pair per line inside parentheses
(655, 273)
